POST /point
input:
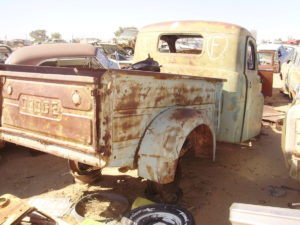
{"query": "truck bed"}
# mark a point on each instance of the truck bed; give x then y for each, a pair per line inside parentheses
(96, 117)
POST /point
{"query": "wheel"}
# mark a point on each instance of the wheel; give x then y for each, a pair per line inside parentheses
(84, 173)
(158, 214)
(165, 193)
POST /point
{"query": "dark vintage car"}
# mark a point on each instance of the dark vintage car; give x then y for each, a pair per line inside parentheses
(82, 56)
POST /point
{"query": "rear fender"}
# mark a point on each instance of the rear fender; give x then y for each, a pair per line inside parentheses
(162, 143)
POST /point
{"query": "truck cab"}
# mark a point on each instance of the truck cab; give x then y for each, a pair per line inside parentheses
(216, 50)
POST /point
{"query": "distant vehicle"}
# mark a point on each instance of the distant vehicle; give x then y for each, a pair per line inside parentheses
(5, 51)
(81, 56)
(282, 53)
(117, 53)
(127, 40)
(290, 72)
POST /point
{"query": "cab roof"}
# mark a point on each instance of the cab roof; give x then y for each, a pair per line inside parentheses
(192, 26)
(32, 55)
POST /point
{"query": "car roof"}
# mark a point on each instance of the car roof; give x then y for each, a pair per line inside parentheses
(32, 55)
(192, 26)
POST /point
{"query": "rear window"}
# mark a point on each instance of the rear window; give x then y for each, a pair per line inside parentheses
(181, 44)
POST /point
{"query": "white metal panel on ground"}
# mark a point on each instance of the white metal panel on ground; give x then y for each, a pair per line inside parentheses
(246, 214)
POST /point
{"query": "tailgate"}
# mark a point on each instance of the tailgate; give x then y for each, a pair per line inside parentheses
(49, 109)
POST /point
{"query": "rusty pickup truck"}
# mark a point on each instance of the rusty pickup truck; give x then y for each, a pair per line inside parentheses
(111, 118)
(143, 120)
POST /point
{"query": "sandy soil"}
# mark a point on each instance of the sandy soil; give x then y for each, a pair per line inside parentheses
(240, 174)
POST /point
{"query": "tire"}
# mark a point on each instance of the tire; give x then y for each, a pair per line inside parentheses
(83, 173)
(165, 193)
(158, 214)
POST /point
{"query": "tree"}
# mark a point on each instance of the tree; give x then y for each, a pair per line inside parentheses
(38, 35)
(56, 35)
(122, 29)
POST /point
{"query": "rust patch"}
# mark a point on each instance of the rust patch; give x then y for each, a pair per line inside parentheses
(201, 141)
(166, 172)
(105, 149)
(184, 113)
(129, 127)
(130, 97)
(69, 127)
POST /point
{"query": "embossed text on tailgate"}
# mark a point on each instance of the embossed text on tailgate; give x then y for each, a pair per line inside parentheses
(60, 110)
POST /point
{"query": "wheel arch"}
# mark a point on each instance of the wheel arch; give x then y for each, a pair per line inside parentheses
(162, 143)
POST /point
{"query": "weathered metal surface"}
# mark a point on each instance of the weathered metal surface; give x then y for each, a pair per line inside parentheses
(267, 82)
(291, 140)
(101, 119)
(44, 110)
(16, 211)
(223, 55)
(163, 141)
(12, 209)
(139, 97)
(47, 108)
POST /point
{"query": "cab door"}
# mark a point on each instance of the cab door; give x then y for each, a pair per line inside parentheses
(253, 97)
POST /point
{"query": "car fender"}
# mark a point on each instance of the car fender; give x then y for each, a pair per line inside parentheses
(161, 145)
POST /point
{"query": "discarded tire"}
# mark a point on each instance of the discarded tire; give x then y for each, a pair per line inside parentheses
(158, 214)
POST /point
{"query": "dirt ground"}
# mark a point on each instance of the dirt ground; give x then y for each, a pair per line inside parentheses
(240, 174)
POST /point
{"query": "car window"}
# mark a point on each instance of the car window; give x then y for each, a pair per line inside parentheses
(251, 56)
(78, 62)
(182, 44)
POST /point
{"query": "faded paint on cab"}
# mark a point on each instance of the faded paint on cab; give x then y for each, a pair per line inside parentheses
(223, 56)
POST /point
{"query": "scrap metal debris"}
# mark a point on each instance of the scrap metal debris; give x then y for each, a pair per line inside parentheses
(272, 115)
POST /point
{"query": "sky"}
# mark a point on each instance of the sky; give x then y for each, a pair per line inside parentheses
(100, 19)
